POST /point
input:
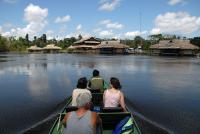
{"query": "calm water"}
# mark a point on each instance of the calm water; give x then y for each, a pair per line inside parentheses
(162, 89)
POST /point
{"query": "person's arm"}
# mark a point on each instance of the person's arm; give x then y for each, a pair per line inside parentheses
(104, 98)
(122, 103)
(95, 120)
(64, 121)
(89, 84)
(73, 98)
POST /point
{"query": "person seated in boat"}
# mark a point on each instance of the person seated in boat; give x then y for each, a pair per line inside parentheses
(82, 121)
(96, 82)
(113, 97)
(81, 88)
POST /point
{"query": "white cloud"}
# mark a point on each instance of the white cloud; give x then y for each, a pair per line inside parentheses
(49, 34)
(111, 25)
(155, 31)
(33, 13)
(63, 29)
(7, 25)
(135, 33)
(76, 34)
(105, 33)
(109, 5)
(1, 30)
(63, 19)
(79, 27)
(114, 26)
(36, 18)
(11, 1)
(174, 2)
(180, 22)
(97, 30)
(104, 22)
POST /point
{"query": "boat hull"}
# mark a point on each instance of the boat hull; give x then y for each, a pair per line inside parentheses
(110, 117)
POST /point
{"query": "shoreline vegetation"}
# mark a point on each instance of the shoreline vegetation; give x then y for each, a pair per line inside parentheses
(21, 44)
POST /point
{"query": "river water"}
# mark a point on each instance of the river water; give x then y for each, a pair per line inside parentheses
(163, 90)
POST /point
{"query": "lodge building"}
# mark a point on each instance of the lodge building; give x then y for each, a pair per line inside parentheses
(94, 45)
(174, 47)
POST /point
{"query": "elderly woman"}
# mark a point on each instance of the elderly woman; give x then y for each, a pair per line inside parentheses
(81, 88)
(82, 121)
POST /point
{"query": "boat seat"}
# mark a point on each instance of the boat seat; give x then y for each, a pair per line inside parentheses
(95, 90)
(71, 108)
(110, 120)
(97, 99)
(112, 109)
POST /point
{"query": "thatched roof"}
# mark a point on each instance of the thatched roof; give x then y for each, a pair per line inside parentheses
(81, 46)
(34, 48)
(111, 44)
(52, 46)
(71, 47)
(88, 40)
(174, 44)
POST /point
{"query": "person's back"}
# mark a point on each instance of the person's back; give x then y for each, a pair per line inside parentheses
(76, 92)
(96, 82)
(81, 88)
(79, 125)
(82, 121)
(112, 98)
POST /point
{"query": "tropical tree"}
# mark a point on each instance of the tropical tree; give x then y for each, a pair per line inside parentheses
(195, 41)
(80, 37)
(138, 41)
(3, 44)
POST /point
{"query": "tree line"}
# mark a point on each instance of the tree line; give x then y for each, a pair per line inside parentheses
(22, 43)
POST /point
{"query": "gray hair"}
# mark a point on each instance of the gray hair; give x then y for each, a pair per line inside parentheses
(83, 98)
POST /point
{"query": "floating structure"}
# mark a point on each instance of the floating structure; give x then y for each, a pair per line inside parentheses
(85, 44)
(35, 49)
(51, 48)
(174, 47)
(94, 45)
(112, 47)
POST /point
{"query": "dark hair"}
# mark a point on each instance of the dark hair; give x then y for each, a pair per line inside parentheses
(115, 83)
(82, 83)
(95, 72)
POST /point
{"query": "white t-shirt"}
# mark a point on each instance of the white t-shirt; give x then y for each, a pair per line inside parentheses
(76, 92)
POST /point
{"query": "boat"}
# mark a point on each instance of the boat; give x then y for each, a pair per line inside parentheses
(110, 116)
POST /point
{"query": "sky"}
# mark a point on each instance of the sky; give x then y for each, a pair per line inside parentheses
(100, 18)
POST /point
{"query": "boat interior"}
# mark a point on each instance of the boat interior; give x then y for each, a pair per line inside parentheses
(110, 116)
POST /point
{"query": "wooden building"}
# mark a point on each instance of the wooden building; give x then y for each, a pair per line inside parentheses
(51, 48)
(174, 47)
(112, 47)
(85, 45)
(35, 49)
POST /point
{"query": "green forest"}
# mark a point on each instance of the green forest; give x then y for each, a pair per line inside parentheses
(22, 43)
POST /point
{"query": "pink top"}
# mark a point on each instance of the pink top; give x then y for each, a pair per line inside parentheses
(111, 99)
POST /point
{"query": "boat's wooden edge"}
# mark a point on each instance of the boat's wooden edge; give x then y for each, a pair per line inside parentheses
(68, 103)
(69, 99)
(134, 121)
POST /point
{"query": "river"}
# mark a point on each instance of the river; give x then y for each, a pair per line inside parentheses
(162, 90)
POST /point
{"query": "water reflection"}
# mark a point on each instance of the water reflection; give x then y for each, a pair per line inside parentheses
(165, 90)
(38, 82)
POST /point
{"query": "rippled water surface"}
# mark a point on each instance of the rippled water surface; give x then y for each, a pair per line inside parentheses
(165, 90)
